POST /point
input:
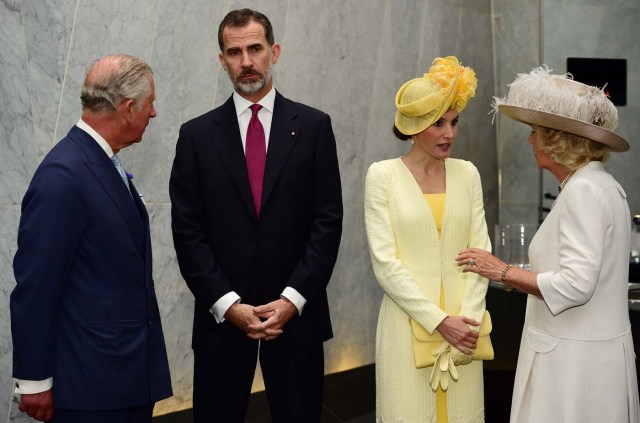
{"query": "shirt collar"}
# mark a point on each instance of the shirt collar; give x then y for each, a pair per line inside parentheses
(97, 137)
(242, 104)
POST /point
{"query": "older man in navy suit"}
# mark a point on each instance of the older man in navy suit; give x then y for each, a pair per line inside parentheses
(87, 339)
(257, 220)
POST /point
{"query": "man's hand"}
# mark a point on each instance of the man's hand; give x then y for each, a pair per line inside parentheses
(39, 406)
(455, 331)
(243, 316)
(276, 314)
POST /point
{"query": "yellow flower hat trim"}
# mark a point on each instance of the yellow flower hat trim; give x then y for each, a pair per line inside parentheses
(445, 70)
(467, 84)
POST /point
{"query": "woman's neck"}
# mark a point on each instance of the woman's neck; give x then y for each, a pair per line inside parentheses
(423, 163)
(560, 172)
(429, 173)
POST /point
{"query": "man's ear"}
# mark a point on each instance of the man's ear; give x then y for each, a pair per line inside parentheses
(221, 58)
(128, 109)
(275, 52)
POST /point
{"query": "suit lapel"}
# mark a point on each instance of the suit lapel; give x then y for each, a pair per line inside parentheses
(227, 140)
(145, 251)
(284, 133)
(107, 175)
(142, 209)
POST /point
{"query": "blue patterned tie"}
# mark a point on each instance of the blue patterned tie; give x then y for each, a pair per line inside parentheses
(116, 161)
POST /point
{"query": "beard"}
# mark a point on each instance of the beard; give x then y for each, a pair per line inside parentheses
(247, 87)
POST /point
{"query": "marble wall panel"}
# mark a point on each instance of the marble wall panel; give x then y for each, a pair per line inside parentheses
(176, 308)
(200, 67)
(9, 218)
(354, 121)
(518, 167)
(18, 158)
(517, 49)
(101, 28)
(47, 28)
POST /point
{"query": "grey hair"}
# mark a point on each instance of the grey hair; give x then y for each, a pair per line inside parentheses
(127, 77)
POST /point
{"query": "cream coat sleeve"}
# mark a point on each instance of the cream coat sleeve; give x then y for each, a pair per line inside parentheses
(473, 301)
(581, 241)
(394, 278)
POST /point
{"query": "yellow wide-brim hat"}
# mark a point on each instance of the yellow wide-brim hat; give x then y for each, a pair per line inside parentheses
(420, 102)
(558, 102)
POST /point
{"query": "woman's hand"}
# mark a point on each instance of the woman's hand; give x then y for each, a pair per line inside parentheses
(486, 264)
(481, 262)
(455, 330)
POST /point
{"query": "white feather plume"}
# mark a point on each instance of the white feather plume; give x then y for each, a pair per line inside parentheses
(561, 95)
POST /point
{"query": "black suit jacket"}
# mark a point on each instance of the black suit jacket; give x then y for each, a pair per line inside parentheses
(220, 243)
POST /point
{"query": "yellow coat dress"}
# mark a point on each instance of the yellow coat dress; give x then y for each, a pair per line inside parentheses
(410, 262)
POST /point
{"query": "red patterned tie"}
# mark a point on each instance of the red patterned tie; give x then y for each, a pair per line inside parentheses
(256, 154)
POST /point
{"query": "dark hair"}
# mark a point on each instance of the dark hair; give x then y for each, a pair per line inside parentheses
(400, 135)
(242, 17)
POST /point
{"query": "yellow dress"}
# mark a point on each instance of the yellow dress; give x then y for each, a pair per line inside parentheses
(436, 203)
(413, 265)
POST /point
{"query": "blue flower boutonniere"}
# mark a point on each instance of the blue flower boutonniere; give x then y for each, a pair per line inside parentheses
(129, 176)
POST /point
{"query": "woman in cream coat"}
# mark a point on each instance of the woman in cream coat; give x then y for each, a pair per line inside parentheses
(420, 210)
(576, 363)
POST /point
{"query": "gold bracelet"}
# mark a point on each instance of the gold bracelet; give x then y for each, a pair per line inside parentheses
(503, 278)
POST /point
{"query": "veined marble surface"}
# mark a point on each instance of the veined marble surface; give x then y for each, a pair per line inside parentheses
(347, 58)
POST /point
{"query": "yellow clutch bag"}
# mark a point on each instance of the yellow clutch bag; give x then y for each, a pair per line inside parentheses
(424, 344)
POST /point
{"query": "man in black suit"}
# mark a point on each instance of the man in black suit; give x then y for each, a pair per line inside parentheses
(257, 220)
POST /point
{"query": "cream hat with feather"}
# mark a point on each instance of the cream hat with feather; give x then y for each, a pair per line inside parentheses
(558, 102)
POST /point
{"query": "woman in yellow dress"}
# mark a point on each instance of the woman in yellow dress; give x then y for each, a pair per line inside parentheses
(420, 210)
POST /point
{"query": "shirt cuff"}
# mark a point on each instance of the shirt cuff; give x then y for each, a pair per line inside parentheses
(33, 386)
(220, 307)
(294, 296)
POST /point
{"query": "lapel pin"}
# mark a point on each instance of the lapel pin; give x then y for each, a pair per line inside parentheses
(293, 133)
